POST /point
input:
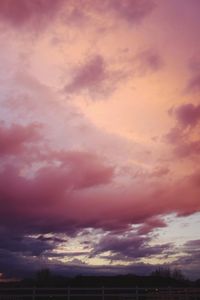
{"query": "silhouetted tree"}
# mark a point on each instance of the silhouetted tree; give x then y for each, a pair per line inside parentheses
(162, 273)
(43, 276)
(177, 274)
(167, 273)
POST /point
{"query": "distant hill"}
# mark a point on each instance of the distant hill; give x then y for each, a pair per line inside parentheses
(159, 278)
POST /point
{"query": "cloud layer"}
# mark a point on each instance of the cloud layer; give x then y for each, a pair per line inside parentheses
(89, 185)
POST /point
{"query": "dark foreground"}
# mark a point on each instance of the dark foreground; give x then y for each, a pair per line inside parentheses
(100, 293)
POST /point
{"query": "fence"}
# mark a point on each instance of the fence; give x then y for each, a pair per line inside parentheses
(99, 293)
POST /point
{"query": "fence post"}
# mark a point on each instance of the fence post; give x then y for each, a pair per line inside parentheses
(68, 293)
(103, 293)
(33, 294)
(169, 293)
(136, 293)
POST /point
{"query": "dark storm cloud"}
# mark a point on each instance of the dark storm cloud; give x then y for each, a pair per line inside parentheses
(190, 258)
(131, 247)
(16, 265)
(24, 244)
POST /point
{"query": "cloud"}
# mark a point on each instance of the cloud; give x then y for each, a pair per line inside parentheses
(183, 146)
(131, 11)
(27, 14)
(128, 247)
(14, 138)
(194, 84)
(189, 259)
(118, 244)
(147, 61)
(49, 190)
(123, 248)
(188, 149)
(184, 136)
(45, 190)
(150, 225)
(16, 265)
(73, 190)
(187, 114)
(77, 192)
(77, 170)
(36, 15)
(93, 77)
(174, 136)
(160, 171)
(192, 244)
(16, 242)
(90, 75)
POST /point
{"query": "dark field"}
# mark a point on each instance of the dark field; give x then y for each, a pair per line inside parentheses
(99, 293)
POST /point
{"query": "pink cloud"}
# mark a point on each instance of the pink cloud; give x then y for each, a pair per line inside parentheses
(182, 145)
(67, 198)
(37, 14)
(147, 61)
(75, 190)
(160, 171)
(187, 149)
(77, 170)
(90, 76)
(151, 224)
(98, 77)
(187, 114)
(194, 84)
(181, 137)
(28, 13)
(132, 11)
(46, 195)
(174, 136)
(16, 137)
(135, 206)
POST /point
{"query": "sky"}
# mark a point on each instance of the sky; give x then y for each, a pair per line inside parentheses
(99, 136)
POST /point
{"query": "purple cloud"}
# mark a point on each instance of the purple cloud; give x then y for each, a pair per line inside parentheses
(131, 11)
(28, 14)
(128, 247)
(194, 84)
(95, 77)
(187, 114)
(17, 242)
(181, 137)
(90, 75)
(15, 137)
(147, 61)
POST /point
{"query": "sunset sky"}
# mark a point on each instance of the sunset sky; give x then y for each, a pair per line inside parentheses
(99, 136)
